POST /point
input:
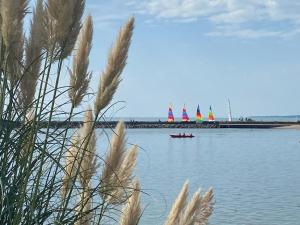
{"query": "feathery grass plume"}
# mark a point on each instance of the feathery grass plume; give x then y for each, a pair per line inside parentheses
(71, 165)
(0, 19)
(84, 207)
(63, 24)
(79, 76)
(178, 206)
(33, 50)
(131, 212)
(110, 77)
(117, 171)
(123, 177)
(206, 208)
(12, 14)
(190, 212)
(88, 165)
(115, 153)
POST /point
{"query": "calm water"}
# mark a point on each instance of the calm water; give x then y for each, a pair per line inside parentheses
(255, 173)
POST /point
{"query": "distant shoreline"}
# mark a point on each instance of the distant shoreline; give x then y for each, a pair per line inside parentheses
(164, 124)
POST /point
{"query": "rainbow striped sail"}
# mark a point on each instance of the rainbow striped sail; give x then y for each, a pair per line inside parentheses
(170, 115)
(185, 117)
(199, 118)
(211, 115)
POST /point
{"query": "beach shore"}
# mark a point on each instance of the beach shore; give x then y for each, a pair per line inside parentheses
(295, 126)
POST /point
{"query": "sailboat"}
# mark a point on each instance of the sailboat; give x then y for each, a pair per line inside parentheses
(229, 112)
(185, 117)
(199, 118)
(211, 115)
(170, 115)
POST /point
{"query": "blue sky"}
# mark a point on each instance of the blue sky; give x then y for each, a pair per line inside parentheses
(203, 52)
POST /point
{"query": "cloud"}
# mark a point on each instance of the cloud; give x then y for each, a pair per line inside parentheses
(110, 14)
(223, 11)
(244, 19)
(251, 18)
(244, 33)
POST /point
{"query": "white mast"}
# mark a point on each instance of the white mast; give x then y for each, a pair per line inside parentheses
(229, 113)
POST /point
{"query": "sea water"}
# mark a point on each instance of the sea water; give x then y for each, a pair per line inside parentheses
(255, 173)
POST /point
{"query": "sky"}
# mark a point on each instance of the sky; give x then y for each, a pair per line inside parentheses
(202, 52)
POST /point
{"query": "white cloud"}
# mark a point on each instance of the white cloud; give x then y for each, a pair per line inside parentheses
(107, 15)
(227, 11)
(245, 33)
(252, 18)
(248, 15)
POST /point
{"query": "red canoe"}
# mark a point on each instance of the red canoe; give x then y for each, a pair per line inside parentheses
(182, 135)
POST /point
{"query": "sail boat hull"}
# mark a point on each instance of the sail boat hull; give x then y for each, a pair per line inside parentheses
(181, 136)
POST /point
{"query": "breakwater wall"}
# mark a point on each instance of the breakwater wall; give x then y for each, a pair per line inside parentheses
(163, 124)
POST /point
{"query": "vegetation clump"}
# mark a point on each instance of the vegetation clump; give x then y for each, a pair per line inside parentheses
(55, 175)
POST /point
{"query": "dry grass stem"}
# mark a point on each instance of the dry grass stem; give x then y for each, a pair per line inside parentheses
(131, 212)
(117, 58)
(88, 159)
(63, 24)
(178, 206)
(30, 116)
(33, 50)
(71, 165)
(84, 208)
(28, 145)
(79, 75)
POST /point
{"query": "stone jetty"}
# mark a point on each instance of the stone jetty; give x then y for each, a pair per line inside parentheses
(164, 124)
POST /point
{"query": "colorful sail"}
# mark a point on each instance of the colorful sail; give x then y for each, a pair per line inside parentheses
(198, 115)
(170, 115)
(211, 115)
(185, 117)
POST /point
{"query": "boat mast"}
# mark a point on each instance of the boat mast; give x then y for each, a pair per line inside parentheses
(229, 113)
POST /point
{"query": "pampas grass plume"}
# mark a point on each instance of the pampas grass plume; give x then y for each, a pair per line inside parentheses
(88, 159)
(0, 19)
(131, 212)
(206, 208)
(12, 14)
(33, 49)
(178, 206)
(115, 153)
(123, 177)
(118, 168)
(117, 58)
(188, 217)
(79, 76)
(63, 24)
(71, 165)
